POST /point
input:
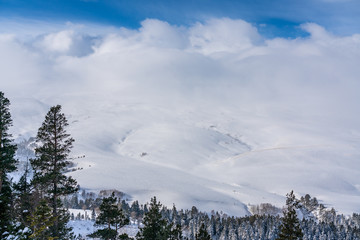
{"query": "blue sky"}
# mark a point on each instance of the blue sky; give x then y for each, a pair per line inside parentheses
(275, 18)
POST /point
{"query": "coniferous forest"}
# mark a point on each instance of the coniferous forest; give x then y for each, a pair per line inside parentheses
(36, 206)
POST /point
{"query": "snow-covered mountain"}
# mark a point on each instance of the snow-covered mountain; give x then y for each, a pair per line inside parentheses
(213, 115)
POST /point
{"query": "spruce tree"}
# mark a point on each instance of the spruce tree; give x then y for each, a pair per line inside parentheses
(110, 216)
(175, 232)
(51, 164)
(290, 226)
(6, 213)
(23, 198)
(155, 226)
(7, 164)
(41, 221)
(7, 147)
(202, 234)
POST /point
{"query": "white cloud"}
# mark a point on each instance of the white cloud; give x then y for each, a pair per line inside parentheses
(218, 55)
(58, 42)
(19, 67)
(161, 34)
(317, 32)
(223, 35)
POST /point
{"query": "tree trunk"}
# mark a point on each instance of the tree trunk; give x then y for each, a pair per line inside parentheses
(1, 179)
(56, 177)
(1, 171)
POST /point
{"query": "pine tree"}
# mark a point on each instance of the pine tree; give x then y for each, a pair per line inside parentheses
(7, 147)
(111, 216)
(51, 164)
(41, 221)
(23, 198)
(202, 234)
(6, 213)
(7, 164)
(135, 210)
(175, 232)
(155, 226)
(290, 227)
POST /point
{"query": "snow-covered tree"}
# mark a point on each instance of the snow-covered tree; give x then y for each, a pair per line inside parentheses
(202, 234)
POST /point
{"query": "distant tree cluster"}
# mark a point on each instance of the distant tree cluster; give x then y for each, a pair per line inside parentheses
(159, 222)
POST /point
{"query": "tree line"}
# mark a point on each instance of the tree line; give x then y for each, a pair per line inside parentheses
(159, 222)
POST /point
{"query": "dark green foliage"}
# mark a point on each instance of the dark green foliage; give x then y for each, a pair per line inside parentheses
(50, 165)
(41, 221)
(104, 234)
(52, 156)
(309, 203)
(24, 202)
(7, 164)
(290, 227)
(175, 232)
(6, 200)
(124, 236)
(155, 226)
(111, 217)
(202, 234)
(60, 227)
(7, 147)
(135, 210)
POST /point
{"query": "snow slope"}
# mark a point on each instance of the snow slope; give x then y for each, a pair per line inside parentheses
(197, 157)
(197, 118)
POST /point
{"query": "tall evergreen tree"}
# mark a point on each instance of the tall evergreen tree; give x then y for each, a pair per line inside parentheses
(290, 226)
(51, 164)
(155, 226)
(7, 164)
(7, 147)
(111, 216)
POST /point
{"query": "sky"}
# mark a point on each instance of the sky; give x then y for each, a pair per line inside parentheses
(276, 18)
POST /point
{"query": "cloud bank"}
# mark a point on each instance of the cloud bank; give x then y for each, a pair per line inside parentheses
(223, 62)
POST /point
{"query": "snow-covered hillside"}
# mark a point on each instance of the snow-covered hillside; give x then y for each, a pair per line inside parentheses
(195, 118)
